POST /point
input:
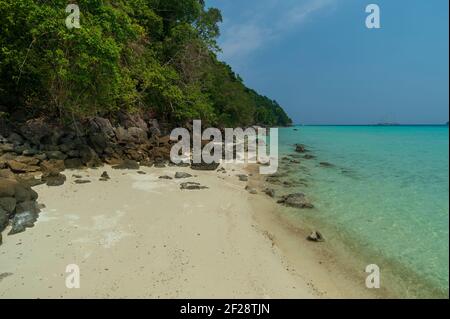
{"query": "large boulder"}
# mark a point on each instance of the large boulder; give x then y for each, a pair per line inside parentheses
(101, 125)
(98, 141)
(297, 200)
(17, 201)
(4, 218)
(132, 120)
(52, 166)
(18, 167)
(89, 157)
(8, 204)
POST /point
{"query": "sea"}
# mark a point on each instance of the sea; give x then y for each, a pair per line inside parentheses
(381, 195)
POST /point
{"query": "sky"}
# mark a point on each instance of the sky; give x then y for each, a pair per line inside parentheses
(318, 59)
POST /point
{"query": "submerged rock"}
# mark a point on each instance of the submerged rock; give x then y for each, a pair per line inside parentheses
(300, 148)
(165, 177)
(326, 164)
(251, 190)
(308, 157)
(269, 192)
(297, 200)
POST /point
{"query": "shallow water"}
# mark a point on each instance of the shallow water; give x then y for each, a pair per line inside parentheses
(385, 197)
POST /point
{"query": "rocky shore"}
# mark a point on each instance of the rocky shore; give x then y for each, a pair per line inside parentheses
(38, 151)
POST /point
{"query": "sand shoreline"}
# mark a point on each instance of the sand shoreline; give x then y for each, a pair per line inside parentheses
(138, 236)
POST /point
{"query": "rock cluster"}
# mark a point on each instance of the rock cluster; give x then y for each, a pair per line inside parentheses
(18, 206)
(37, 146)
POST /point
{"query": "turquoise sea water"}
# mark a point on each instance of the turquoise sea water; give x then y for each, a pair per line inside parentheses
(386, 197)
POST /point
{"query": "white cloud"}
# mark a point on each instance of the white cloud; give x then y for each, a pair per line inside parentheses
(270, 20)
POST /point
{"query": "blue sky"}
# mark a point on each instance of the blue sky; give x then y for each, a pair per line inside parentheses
(321, 63)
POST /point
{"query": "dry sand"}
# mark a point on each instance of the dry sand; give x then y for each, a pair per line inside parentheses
(137, 236)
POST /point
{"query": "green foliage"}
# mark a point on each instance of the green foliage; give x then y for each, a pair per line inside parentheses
(128, 54)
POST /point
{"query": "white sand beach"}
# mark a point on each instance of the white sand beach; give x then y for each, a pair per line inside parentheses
(139, 236)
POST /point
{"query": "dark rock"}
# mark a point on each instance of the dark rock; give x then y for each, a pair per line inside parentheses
(54, 179)
(147, 163)
(6, 173)
(297, 200)
(56, 155)
(28, 206)
(52, 166)
(165, 177)
(101, 125)
(22, 221)
(73, 153)
(18, 167)
(270, 192)
(192, 186)
(89, 157)
(8, 204)
(127, 164)
(315, 236)
(141, 172)
(105, 176)
(180, 175)
(160, 165)
(41, 156)
(35, 130)
(82, 181)
(243, 178)
(15, 138)
(73, 163)
(29, 180)
(7, 187)
(300, 148)
(204, 166)
(5, 148)
(251, 190)
(99, 142)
